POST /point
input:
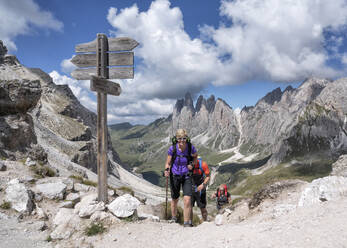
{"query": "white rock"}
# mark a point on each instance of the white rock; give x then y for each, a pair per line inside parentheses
(52, 190)
(82, 187)
(74, 197)
(40, 214)
(19, 196)
(340, 166)
(88, 205)
(61, 232)
(65, 224)
(67, 181)
(124, 206)
(66, 204)
(101, 215)
(218, 220)
(88, 210)
(30, 162)
(63, 216)
(324, 189)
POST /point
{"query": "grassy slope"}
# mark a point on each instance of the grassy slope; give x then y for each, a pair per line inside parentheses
(143, 147)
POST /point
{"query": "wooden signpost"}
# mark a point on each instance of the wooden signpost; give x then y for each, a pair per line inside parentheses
(99, 60)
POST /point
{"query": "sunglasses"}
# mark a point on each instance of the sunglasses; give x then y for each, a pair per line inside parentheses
(180, 139)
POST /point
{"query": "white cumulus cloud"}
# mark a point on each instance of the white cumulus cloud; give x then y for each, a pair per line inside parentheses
(18, 17)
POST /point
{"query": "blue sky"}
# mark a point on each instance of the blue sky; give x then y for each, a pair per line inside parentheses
(237, 50)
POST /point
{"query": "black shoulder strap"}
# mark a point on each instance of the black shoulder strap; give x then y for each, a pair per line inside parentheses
(190, 158)
(174, 150)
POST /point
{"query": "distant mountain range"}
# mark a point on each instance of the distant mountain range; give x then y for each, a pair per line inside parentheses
(292, 133)
(306, 125)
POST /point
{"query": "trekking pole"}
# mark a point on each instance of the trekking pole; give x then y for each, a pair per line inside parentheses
(167, 179)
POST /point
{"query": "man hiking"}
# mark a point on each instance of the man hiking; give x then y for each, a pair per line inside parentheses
(201, 176)
(223, 196)
(178, 165)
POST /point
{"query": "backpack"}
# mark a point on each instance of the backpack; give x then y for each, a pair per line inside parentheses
(225, 191)
(174, 152)
(200, 167)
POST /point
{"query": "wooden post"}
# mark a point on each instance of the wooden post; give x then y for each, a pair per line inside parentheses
(102, 71)
(124, 61)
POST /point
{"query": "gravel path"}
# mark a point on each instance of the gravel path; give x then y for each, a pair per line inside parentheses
(322, 225)
(14, 234)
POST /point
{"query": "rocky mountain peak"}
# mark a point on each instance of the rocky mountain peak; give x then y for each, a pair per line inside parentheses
(201, 101)
(3, 49)
(188, 102)
(211, 103)
(6, 58)
(272, 97)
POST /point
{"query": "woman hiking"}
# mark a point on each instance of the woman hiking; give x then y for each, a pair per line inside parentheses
(178, 166)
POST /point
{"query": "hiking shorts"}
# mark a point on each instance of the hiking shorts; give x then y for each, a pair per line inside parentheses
(199, 198)
(176, 181)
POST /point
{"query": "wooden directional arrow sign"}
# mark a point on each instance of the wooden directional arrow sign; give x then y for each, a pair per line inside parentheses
(114, 72)
(105, 86)
(89, 59)
(119, 64)
(114, 44)
(98, 61)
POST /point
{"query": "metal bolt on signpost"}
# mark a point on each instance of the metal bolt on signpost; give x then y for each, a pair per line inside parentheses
(99, 60)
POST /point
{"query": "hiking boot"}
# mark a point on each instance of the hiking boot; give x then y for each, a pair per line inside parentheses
(187, 225)
(173, 219)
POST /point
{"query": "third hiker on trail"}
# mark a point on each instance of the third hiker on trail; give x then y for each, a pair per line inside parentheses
(222, 195)
(201, 176)
(178, 166)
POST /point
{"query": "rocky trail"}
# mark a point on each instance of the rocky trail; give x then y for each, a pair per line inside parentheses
(289, 213)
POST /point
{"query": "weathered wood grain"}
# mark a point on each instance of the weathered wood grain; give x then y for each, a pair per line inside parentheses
(114, 73)
(102, 70)
(114, 59)
(114, 44)
(105, 86)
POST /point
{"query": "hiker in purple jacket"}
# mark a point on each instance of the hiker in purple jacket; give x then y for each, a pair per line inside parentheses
(178, 166)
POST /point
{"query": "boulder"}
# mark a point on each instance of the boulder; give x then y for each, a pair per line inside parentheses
(105, 217)
(67, 181)
(29, 162)
(219, 220)
(2, 166)
(74, 197)
(324, 189)
(88, 206)
(18, 96)
(124, 206)
(340, 166)
(65, 223)
(82, 187)
(52, 190)
(20, 197)
(40, 214)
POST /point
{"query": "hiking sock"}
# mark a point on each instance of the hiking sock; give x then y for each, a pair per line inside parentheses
(188, 223)
(173, 219)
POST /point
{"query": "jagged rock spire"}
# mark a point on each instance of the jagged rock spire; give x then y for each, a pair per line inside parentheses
(188, 102)
(273, 96)
(201, 101)
(3, 51)
(211, 103)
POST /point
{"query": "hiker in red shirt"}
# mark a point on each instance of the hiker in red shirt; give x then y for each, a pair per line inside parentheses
(223, 196)
(201, 176)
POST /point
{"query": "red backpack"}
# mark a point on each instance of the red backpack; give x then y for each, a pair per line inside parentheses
(225, 191)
